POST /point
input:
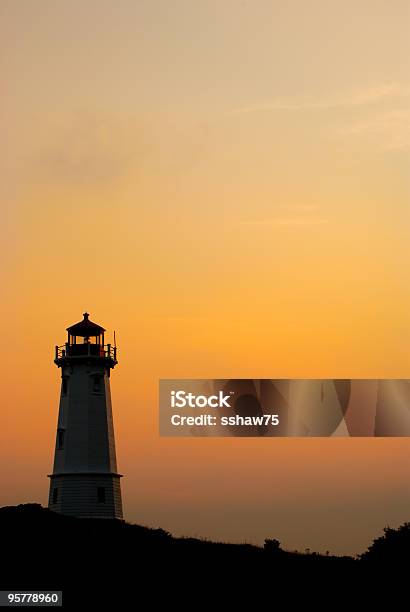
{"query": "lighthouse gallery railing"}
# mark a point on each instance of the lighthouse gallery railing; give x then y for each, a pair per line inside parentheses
(86, 349)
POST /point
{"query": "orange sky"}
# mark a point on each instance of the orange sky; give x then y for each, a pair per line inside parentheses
(225, 184)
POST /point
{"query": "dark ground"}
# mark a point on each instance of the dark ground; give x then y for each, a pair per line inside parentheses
(118, 565)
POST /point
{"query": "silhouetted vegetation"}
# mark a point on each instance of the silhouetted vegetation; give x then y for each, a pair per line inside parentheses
(392, 549)
(101, 560)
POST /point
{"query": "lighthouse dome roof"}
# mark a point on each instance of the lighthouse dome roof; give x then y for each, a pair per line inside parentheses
(85, 328)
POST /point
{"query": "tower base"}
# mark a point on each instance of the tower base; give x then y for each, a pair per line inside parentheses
(91, 495)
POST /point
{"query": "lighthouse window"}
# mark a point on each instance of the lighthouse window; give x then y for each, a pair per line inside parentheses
(97, 384)
(60, 438)
(64, 387)
(101, 495)
(55, 495)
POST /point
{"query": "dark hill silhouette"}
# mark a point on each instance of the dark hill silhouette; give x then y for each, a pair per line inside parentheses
(102, 560)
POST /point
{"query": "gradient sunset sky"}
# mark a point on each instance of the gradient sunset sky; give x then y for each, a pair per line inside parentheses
(226, 184)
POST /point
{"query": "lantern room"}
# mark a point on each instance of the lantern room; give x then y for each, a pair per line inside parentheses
(85, 332)
(85, 338)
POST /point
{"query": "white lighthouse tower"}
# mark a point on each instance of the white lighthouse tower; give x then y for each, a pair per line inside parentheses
(85, 482)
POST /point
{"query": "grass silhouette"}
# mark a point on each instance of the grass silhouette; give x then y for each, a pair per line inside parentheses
(100, 562)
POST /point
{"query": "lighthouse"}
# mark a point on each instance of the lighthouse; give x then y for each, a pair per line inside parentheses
(85, 481)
